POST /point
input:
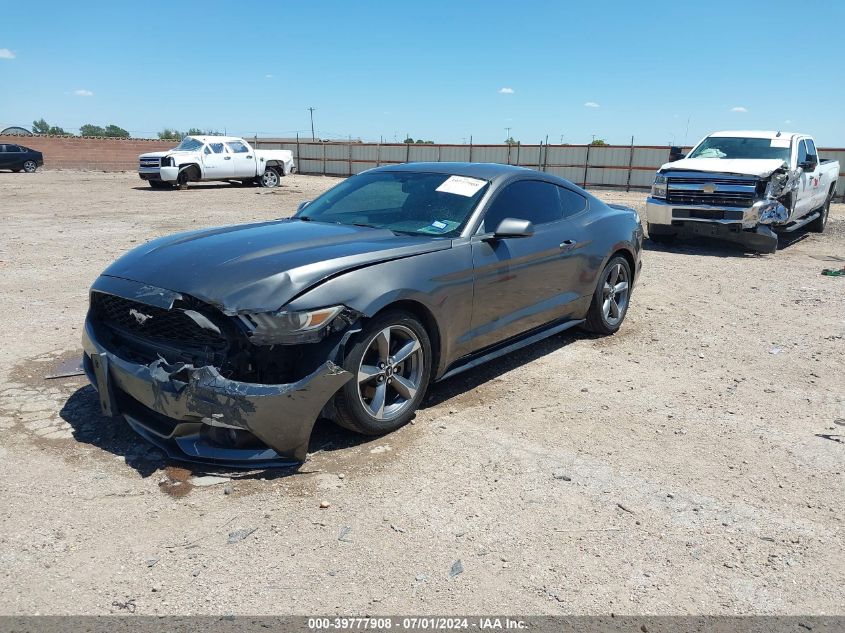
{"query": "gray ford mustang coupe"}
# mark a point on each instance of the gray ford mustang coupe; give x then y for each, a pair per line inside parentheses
(226, 344)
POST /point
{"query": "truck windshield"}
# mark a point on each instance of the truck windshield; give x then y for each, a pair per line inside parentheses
(404, 202)
(737, 147)
(189, 144)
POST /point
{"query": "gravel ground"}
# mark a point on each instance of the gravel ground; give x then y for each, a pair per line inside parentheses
(690, 464)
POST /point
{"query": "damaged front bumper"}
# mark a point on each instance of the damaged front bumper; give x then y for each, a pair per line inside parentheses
(185, 409)
(750, 226)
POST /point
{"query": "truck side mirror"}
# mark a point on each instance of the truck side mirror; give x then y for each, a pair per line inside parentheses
(810, 162)
(675, 153)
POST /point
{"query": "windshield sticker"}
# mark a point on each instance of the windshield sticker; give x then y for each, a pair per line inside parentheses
(439, 226)
(461, 185)
(780, 142)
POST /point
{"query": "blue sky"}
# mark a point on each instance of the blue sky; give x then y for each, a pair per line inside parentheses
(660, 71)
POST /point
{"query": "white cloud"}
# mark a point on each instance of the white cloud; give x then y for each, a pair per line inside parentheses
(739, 109)
(506, 91)
(83, 93)
(5, 53)
(591, 104)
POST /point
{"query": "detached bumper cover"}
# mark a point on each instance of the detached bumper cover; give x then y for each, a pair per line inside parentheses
(177, 400)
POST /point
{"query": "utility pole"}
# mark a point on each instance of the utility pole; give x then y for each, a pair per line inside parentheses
(594, 138)
(311, 110)
(561, 139)
(508, 132)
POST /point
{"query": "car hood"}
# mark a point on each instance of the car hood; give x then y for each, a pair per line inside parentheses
(761, 167)
(169, 152)
(261, 267)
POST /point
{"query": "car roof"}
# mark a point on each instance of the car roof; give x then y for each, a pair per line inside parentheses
(485, 171)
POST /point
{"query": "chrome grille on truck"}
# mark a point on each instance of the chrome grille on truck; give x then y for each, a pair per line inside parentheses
(150, 162)
(716, 191)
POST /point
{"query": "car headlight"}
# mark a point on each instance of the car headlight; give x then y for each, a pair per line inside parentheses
(658, 189)
(284, 326)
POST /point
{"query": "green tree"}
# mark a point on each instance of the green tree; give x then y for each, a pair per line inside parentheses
(195, 131)
(90, 129)
(408, 140)
(598, 141)
(115, 131)
(42, 127)
(510, 141)
(171, 135)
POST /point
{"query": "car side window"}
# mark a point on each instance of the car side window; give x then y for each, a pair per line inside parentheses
(811, 147)
(571, 202)
(532, 200)
(207, 150)
(217, 148)
(13, 148)
(237, 147)
(802, 152)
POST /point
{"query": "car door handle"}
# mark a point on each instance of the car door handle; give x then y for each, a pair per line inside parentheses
(249, 155)
(568, 244)
(227, 158)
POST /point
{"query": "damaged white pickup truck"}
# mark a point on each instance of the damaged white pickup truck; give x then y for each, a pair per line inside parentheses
(214, 158)
(743, 186)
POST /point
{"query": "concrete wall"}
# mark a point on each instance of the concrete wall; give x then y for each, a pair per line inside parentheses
(69, 152)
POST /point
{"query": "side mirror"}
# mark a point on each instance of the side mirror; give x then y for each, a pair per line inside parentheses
(302, 205)
(675, 153)
(810, 162)
(512, 227)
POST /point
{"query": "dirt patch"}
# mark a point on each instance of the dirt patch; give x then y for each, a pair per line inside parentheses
(688, 464)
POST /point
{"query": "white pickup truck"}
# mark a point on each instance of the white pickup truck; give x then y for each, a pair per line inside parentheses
(744, 186)
(214, 158)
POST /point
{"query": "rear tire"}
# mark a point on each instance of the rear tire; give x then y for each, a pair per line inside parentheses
(611, 298)
(817, 225)
(391, 364)
(270, 178)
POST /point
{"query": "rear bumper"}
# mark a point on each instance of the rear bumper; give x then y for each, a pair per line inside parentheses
(184, 409)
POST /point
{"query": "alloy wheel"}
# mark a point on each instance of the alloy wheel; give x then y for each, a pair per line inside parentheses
(30, 166)
(390, 372)
(615, 292)
(270, 178)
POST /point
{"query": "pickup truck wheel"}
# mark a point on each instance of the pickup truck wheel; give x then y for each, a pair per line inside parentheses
(610, 300)
(390, 361)
(159, 184)
(270, 178)
(817, 225)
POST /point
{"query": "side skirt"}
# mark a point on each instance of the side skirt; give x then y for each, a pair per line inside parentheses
(475, 360)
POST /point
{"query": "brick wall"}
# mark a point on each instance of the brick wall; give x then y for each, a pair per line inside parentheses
(107, 154)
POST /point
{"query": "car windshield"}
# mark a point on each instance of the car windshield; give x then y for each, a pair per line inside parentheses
(404, 202)
(737, 147)
(189, 144)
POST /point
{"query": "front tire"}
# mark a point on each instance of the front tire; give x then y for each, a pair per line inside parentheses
(611, 298)
(30, 166)
(391, 364)
(159, 184)
(270, 178)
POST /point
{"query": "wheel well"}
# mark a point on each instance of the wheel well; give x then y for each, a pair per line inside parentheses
(195, 174)
(429, 322)
(628, 257)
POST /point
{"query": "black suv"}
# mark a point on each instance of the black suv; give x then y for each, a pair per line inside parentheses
(17, 157)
